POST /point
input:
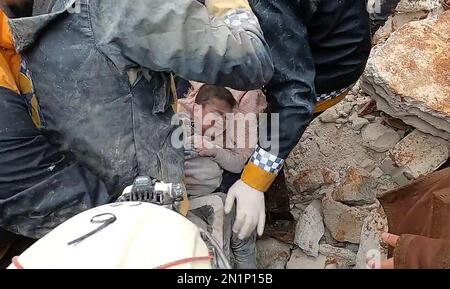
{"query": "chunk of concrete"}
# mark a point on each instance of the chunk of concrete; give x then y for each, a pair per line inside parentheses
(300, 260)
(345, 222)
(380, 138)
(414, 89)
(310, 229)
(272, 254)
(354, 189)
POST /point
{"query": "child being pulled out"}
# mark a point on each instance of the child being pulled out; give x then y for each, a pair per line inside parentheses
(220, 133)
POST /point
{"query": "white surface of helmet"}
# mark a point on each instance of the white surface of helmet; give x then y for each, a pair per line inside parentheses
(134, 236)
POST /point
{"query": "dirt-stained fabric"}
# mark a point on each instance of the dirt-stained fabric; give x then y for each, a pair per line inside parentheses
(419, 212)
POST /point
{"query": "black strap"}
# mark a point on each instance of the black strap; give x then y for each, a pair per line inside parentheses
(96, 220)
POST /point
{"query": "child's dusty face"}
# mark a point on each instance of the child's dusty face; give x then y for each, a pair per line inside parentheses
(216, 109)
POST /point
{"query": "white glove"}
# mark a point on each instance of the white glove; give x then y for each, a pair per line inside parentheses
(250, 209)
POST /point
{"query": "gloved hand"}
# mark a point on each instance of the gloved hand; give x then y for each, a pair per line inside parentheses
(250, 209)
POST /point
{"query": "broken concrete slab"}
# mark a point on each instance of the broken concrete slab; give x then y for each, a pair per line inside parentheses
(354, 189)
(376, 173)
(414, 89)
(343, 258)
(310, 229)
(380, 138)
(301, 261)
(345, 222)
(370, 245)
(420, 154)
(272, 254)
(397, 174)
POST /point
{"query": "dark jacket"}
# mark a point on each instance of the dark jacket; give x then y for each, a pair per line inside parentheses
(101, 73)
(318, 46)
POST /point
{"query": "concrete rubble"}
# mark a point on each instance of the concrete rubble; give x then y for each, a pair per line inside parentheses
(343, 258)
(354, 189)
(272, 254)
(391, 129)
(300, 260)
(414, 89)
(345, 222)
(415, 156)
(406, 11)
(370, 245)
(379, 138)
(310, 229)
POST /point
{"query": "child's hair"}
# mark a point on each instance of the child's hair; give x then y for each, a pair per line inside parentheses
(208, 92)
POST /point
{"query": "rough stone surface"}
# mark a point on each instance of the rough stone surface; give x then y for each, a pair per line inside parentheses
(354, 189)
(331, 115)
(324, 155)
(396, 21)
(301, 261)
(409, 75)
(358, 122)
(397, 174)
(310, 229)
(376, 173)
(380, 138)
(407, 6)
(370, 246)
(311, 180)
(420, 154)
(406, 11)
(343, 258)
(272, 254)
(343, 221)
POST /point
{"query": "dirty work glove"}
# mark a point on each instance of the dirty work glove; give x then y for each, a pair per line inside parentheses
(250, 209)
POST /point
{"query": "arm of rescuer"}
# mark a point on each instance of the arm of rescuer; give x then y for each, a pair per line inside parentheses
(316, 48)
(291, 95)
(40, 186)
(219, 43)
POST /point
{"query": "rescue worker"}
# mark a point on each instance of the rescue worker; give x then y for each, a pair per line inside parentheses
(98, 113)
(17, 126)
(320, 49)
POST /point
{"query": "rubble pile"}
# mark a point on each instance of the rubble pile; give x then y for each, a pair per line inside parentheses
(392, 128)
(409, 75)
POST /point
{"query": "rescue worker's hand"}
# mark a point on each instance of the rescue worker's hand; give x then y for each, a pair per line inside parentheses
(392, 241)
(250, 209)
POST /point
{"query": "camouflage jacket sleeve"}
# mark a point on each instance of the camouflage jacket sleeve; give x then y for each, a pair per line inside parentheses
(219, 43)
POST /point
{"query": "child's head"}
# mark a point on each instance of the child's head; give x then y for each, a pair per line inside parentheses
(214, 100)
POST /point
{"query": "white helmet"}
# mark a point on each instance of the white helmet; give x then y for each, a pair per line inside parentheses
(128, 235)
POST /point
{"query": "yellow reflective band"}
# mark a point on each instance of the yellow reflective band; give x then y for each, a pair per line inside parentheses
(324, 105)
(257, 178)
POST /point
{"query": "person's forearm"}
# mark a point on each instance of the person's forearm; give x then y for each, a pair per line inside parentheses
(220, 44)
(290, 93)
